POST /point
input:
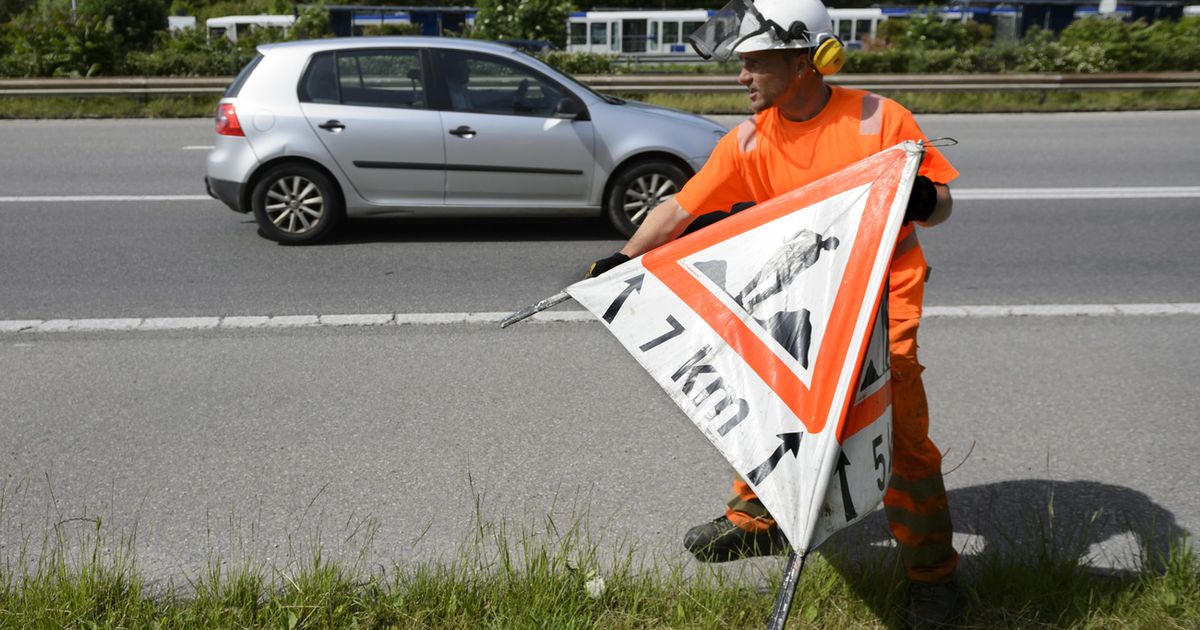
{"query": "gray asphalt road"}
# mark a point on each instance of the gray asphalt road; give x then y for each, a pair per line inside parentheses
(121, 259)
(185, 433)
(1024, 150)
(207, 438)
(103, 157)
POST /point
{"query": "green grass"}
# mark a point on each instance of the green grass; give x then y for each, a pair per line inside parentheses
(58, 107)
(520, 576)
(709, 103)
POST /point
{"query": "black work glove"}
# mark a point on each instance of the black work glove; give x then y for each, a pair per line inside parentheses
(922, 201)
(605, 264)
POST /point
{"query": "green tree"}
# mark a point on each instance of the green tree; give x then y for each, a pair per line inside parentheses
(10, 9)
(134, 21)
(312, 23)
(49, 43)
(523, 19)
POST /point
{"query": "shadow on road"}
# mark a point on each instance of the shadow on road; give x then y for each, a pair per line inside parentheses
(1071, 536)
(487, 229)
(429, 230)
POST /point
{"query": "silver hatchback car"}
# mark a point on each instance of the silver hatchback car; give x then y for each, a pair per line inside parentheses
(312, 132)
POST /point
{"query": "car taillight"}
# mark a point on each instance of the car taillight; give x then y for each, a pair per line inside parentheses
(227, 121)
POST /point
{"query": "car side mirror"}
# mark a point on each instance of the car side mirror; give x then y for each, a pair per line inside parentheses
(568, 109)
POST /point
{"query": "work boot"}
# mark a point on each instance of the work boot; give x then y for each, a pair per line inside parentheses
(932, 605)
(721, 541)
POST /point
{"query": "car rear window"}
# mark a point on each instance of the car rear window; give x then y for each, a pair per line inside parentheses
(319, 84)
(240, 79)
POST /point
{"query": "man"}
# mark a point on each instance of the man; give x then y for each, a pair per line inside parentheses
(802, 130)
(458, 76)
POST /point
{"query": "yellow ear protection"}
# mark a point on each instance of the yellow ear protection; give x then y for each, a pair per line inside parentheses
(829, 55)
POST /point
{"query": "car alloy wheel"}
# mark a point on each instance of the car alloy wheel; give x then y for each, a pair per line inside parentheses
(296, 204)
(638, 189)
(644, 193)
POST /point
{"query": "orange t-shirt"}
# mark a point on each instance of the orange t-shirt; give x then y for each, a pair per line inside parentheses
(769, 155)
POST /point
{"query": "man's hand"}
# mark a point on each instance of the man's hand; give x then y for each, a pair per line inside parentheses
(922, 201)
(605, 264)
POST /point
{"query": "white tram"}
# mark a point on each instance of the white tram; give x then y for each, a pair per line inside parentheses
(666, 32)
(234, 26)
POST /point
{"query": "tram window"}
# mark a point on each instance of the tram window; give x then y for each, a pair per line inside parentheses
(578, 33)
(844, 30)
(670, 32)
(652, 36)
(862, 28)
(690, 27)
(614, 36)
(599, 33)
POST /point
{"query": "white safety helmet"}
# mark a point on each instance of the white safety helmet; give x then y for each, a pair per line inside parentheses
(754, 25)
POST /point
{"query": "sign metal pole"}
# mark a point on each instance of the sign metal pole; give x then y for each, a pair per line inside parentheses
(787, 590)
(554, 300)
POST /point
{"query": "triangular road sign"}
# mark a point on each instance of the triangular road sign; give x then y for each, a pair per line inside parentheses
(758, 327)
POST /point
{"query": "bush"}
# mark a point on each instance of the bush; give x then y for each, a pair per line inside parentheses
(886, 61)
(1137, 46)
(189, 53)
(579, 62)
(930, 31)
(49, 44)
(1040, 52)
(392, 29)
(44, 41)
(931, 61)
(204, 9)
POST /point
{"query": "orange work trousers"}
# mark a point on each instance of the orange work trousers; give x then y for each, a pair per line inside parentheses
(915, 501)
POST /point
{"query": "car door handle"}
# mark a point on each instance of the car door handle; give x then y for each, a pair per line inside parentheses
(463, 131)
(332, 125)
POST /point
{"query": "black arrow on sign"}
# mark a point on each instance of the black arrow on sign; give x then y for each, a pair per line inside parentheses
(635, 284)
(791, 442)
(847, 502)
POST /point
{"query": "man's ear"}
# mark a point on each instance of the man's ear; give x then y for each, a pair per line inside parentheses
(801, 63)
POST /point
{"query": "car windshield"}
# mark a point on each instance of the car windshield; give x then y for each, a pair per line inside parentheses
(550, 70)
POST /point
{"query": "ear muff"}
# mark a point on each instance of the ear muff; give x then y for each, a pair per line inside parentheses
(829, 55)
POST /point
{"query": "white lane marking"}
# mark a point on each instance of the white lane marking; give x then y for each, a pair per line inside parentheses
(91, 198)
(198, 147)
(980, 194)
(426, 319)
(1062, 310)
(1135, 192)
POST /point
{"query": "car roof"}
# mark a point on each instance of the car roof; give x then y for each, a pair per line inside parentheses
(343, 43)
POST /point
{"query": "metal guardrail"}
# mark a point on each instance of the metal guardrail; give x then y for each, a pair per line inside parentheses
(644, 84)
(115, 86)
(636, 84)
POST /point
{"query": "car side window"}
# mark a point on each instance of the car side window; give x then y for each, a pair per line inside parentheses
(381, 78)
(319, 84)
(371, 78)
(491, 85)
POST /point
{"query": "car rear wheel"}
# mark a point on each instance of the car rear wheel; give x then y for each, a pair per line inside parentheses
(637, 189)
(296, 204)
